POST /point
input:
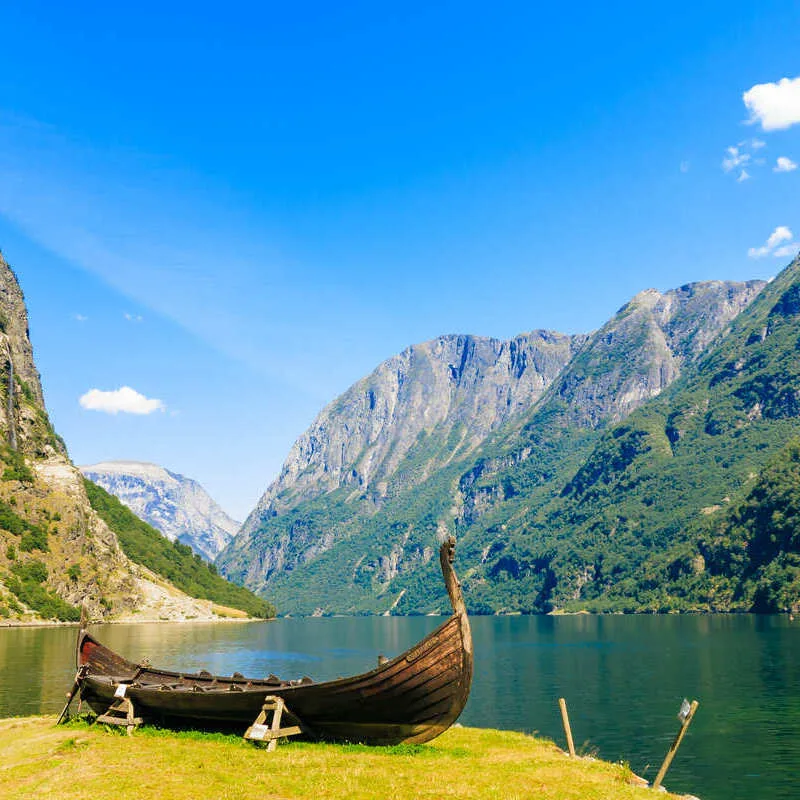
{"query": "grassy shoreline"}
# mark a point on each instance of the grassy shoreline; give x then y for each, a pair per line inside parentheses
(78, 761)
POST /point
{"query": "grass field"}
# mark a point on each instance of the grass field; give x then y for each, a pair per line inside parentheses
(76, 760)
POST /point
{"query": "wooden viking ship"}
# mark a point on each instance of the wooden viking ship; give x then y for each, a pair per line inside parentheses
(411, 698)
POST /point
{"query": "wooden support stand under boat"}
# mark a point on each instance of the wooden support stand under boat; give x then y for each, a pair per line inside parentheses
(260, 731)
(410, 698)
(121, 711)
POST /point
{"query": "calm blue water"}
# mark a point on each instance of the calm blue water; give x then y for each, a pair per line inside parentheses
(623, 678)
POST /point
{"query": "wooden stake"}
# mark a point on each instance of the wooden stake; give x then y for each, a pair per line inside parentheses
(675, 745)
(562, 704)
(79, 676)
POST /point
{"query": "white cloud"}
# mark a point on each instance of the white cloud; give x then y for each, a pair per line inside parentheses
(79, 317)
(775, 105)
(685, 166)
(757, 144)
(734, 158)
(780, 234)
(124, 399)
(744, 175)
(775, 244)
(133, 317)
(787, 251)
(784, 164)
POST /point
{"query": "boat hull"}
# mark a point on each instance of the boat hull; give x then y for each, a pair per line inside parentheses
(411, 698)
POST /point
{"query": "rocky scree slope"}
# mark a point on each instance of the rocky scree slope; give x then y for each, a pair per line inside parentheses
(177, 506)
(56, 552)
(451, 433)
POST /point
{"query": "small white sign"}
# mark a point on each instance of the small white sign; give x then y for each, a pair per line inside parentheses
(258, 732)
(121, 689)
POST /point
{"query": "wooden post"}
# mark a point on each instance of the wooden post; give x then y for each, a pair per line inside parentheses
(79, 676)
(675, 745)
(562, 704)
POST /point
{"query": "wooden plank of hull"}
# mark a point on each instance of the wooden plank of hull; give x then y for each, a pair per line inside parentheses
(408, 704)
(411, 698)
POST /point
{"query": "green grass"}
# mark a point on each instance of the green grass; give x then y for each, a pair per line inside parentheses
(78, 761)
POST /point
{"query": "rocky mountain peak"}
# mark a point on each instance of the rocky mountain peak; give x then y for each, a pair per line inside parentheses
(643, 348)
(24, 423)
(455, 388)
(177, 506)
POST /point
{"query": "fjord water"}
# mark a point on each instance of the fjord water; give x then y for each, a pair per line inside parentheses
(623, 677)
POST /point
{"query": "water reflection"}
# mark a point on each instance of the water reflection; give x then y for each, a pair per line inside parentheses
(36, 669)
(623, 678)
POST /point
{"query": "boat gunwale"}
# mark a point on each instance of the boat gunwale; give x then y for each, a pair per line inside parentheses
(260, 684)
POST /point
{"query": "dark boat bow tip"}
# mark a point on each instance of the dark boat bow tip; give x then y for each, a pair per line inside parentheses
(447, 553)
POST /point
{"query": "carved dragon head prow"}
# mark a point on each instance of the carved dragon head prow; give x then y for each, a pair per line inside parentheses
(447, 553)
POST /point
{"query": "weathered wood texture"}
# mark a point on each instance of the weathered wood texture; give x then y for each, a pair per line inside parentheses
(675, 745)
(76, 685)
(562, 704)
(121, 712)
(260, 731)
(410, 698)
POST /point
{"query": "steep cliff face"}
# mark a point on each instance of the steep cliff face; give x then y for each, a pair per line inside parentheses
(643, 348)
(474, 426)
(24, 423)
(177, 506)
(55, 551)
(456, 388)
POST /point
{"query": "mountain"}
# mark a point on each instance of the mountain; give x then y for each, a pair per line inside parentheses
(57, 550)
(177, 506)
(692, 502)
(461, 435)
(460, 387)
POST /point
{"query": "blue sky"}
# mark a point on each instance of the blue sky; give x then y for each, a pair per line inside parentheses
(239, 210)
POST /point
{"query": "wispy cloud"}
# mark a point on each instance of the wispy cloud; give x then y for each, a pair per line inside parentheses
(776, 106)
(787, 251)
(685, 165)
(80, 317)
(776, 245)
(784, 164)
(133, 317)
(159, 236)
(757, 144)
(744, 175)
(123, 400)
(734, 158)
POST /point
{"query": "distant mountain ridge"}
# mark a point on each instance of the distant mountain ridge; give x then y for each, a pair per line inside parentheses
(464, 435)
(177, 506)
